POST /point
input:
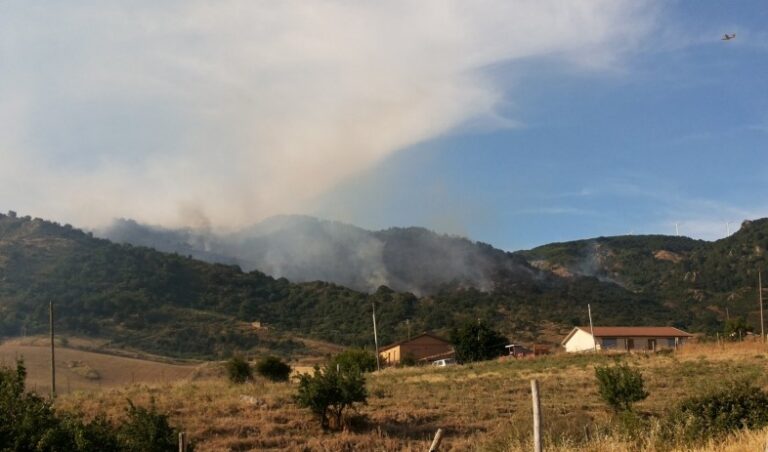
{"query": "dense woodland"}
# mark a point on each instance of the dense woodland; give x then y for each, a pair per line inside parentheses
(175, 305)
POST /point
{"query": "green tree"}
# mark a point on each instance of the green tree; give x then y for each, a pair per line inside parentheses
(273, 368)
(736, 328)
(355, 359)
(238, 370)
(620, 386)
(328, 393)
(477, 341)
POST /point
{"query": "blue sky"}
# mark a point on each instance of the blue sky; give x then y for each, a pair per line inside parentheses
(514, 123)
(677, 134)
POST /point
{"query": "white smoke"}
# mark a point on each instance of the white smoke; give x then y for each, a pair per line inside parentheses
(235, 110)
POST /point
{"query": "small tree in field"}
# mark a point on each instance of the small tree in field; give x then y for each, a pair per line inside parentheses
(355, 359)
(328, 393)
(238, 370)
(477, 341)
(620, 386)
(273, 368)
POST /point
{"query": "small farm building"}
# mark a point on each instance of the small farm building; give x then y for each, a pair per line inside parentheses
(624, 338)
(420, 348)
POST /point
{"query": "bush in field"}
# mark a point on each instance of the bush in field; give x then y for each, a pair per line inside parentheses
(328, 393)
(620, 386)
(238, 370)
(29, 423)
(736, 329)
(355, 359)
(146, 430)
(476, 341)
(25, 418)
(273, 368)
(95, 436)
(739, 406)
(408, 360)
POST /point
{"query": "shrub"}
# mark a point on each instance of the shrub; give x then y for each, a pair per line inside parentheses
(95, 436)
(238, 370)
(147, 430)
(273, 368)
(328, 393)
(355, 359)
(29, 423)
(408, 360)
(25, 418)
(739, 406)
(620, 386)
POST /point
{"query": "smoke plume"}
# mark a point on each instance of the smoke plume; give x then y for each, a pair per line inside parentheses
(227, 112)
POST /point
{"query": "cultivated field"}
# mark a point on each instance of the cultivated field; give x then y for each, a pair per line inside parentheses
(78, 369)
(481, 407)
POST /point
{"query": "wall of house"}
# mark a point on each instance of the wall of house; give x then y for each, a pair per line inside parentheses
(640, 343)
(420, 347)
(580, 341)
(391, 355)
(424, 346)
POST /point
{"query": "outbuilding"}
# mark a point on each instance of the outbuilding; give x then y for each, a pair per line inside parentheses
(624, 338)
(425, 345)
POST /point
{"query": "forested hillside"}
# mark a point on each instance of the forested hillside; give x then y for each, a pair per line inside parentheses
(173, 304)
(700, 278)
(303, 248)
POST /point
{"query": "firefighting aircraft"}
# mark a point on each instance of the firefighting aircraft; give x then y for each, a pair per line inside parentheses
(728, 37)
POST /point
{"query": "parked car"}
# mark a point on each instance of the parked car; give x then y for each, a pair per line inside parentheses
(444, 362)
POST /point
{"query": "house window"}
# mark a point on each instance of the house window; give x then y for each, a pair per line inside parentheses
(671, 342)
(609, 342)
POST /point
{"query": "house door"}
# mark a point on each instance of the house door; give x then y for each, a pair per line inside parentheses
(652, 344)
(630, 344)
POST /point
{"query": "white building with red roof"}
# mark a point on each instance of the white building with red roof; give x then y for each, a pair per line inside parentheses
(624, 338)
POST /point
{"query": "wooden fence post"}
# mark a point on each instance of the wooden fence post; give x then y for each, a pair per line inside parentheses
(436, 442)
(536, 416)
(182, 442)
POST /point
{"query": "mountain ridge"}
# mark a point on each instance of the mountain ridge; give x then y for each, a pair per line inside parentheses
(173, 304)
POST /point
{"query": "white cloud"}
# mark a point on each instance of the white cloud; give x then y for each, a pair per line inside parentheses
(235, 110)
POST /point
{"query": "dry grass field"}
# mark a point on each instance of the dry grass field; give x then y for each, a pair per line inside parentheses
(78, 370)
(481, 407)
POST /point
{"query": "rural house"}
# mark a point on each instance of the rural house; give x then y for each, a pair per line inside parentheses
(624, 338)
(422, 347)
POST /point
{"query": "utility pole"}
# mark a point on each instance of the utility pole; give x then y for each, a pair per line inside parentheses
(375, 336)
(53, 353)
(760, 298)
(408, 323)
(591, 328)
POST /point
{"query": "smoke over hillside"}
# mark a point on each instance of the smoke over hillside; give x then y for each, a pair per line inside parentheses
(303, 248)
(239, 110)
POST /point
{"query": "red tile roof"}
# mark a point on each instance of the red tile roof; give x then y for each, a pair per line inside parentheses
(636, 331)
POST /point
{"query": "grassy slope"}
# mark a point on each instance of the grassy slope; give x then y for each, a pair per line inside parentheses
(481, 407)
